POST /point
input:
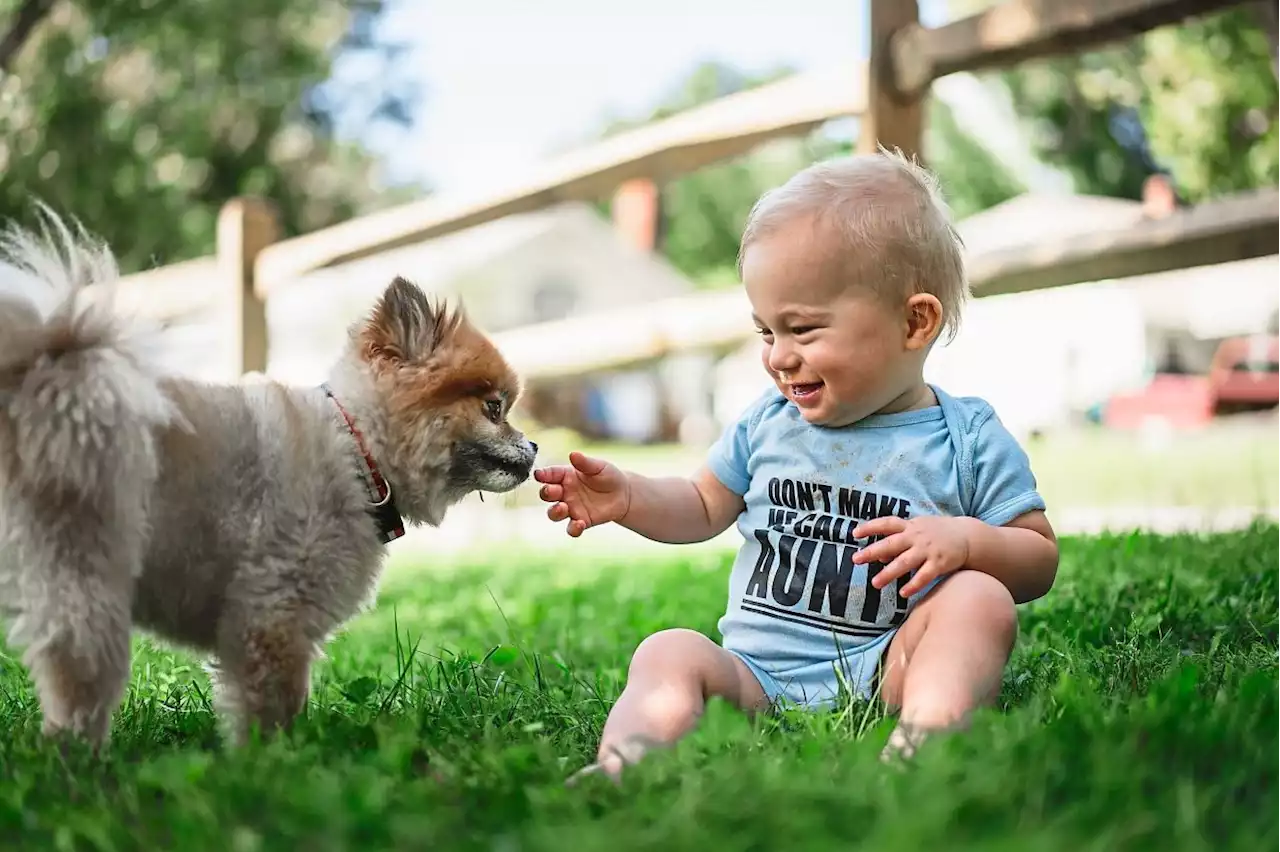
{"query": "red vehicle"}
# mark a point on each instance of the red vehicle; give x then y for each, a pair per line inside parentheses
(1244, 375)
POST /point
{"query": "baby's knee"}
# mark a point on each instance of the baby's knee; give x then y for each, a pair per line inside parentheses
(667, 680)
(676, 649)
(985, 601)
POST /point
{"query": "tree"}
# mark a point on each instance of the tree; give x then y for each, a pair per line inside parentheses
(1197, 100)
(972, 178)
(142, 119)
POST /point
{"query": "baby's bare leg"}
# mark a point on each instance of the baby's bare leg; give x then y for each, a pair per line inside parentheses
(672, 674)
(949, 656)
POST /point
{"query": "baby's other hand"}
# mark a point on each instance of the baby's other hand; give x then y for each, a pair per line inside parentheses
(587, 491)
(931, 545)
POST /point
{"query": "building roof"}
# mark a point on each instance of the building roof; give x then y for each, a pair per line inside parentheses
(436, 264)
(1210, 301)
(1039, 215)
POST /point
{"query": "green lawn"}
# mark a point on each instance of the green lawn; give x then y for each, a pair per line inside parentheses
(1139, 713)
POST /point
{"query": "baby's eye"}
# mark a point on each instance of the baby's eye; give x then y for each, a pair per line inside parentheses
(802, 330)
(493, 409)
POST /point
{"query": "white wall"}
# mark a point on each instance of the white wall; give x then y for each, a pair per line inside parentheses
(1039, 358)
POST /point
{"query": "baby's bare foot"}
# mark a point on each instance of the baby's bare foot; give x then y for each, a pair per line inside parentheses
(609, 766)
(906, 739)
(612, 759)
(902, 743)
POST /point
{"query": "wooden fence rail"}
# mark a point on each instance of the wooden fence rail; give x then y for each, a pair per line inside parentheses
(685, 142)
(1022, 30)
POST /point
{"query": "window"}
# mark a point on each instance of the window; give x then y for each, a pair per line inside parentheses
(553, 299)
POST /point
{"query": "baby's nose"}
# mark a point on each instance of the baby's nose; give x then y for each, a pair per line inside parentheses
(782, 359)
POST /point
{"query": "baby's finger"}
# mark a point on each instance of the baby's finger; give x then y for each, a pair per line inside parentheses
(883, 550)
(880, 526)
(558, 512)
(587, 464)
(922, 578)
(899, 567)
(553, 475)
(577, 528)
(551, 493)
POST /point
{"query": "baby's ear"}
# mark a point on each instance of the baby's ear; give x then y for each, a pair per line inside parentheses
(405, 326)
(924, 320)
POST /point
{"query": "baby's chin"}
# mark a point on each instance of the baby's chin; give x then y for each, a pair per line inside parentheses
(827, 413)
(819, 415)
(822, 418)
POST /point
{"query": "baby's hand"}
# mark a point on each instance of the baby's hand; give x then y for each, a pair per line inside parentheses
(587, 491)
(931, 545)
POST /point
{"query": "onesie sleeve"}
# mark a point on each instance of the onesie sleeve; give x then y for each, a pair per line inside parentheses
(729, 456)
(1004, 486)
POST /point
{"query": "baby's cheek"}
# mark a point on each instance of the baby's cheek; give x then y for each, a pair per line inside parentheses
(846, 382)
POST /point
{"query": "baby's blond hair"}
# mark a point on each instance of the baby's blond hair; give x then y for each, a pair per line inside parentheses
(894, 226)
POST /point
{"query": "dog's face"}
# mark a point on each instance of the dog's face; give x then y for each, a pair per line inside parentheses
(446, 392)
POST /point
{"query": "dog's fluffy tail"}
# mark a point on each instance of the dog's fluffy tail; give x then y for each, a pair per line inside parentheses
(80, 392)
(81, 408)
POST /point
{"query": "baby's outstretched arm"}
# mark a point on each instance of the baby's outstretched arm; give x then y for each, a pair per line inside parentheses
(675, 510)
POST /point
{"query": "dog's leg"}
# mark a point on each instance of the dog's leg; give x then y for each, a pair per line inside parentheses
(263, 673)
(77, 650)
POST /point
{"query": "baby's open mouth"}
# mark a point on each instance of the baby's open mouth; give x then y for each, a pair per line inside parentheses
(806, 390)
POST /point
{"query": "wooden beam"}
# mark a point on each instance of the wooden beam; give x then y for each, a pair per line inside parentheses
(246, 226)
(1019, 30)
(1234, 228)
(685, 142)
(893, 118)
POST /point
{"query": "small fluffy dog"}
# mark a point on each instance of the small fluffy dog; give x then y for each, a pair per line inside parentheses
(245, 521)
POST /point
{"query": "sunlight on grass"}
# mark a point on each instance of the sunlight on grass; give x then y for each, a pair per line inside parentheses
(1139, 712)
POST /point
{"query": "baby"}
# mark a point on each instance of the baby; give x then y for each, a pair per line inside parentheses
(889, 528)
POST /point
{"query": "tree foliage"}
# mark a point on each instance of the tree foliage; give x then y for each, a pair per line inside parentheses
(142, 118)
(1196, 100)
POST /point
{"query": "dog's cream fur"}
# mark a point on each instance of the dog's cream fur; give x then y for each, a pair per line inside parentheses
(226, 518)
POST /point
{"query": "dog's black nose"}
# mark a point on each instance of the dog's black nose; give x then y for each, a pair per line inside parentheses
(535, 447)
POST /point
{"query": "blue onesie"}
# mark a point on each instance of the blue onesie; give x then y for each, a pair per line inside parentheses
(802, 616)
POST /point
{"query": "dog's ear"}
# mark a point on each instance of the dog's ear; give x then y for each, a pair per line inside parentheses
(405, 326)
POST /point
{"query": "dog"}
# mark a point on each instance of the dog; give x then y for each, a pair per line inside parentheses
(247, 521)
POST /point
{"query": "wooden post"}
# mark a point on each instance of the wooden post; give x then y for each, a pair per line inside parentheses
(245, 227)
(892, 119)
(1266, 14)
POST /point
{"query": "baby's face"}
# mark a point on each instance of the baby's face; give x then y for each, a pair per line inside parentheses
(835, 350)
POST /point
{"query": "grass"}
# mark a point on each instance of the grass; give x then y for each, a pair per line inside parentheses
(1139, 713)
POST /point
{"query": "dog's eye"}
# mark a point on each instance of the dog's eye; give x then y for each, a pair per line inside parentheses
(493, 408)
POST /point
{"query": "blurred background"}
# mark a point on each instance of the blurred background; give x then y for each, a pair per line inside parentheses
(579, 179)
